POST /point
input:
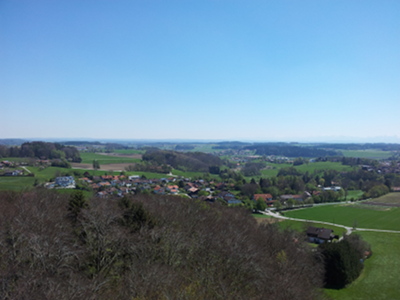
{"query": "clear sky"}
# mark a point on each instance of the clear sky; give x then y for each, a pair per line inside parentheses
(320, 70)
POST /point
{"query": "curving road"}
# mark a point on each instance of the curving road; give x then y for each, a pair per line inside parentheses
(349, 230)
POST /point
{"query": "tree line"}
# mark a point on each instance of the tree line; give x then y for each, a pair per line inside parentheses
(42, 150)
(188, 161)
(282, 149)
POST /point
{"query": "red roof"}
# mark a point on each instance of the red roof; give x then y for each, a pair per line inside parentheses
(266, 197)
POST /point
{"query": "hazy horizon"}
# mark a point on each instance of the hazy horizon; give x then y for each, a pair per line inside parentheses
(327, 140)
(205, 70)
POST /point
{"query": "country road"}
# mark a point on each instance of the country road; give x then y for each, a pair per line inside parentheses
(26, 169)
(349, 230)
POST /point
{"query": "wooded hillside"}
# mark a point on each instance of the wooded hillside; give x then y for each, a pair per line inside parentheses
(188, 161)
(290, 151)
(42, 150)
(56, 246)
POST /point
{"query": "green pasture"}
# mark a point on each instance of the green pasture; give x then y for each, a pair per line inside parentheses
(352, 194)
(129, 151)
(265, 173)
(16, 183)
(319, 167)
(87, 158)
(322, 166)
(356, 194)
(373, 154)
(380, 277)
(358, 215)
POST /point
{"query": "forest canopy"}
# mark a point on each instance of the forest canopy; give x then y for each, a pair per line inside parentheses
(60, 246)
(42, 150)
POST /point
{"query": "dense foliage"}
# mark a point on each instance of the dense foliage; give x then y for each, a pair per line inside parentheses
(343, 261)
(360, 146)
(189, 161)
(289, 150)
(55, 246)
(230, 145)
(42, 150)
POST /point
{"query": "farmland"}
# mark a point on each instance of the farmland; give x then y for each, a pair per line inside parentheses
(87, 158)
(318, 167)
(16, 183)
(322, 166)
(373, 154)
(357, 215)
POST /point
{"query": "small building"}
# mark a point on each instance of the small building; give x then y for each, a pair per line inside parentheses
(320, 235)
(65, 181)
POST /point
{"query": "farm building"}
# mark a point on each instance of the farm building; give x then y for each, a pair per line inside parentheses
(320, 235)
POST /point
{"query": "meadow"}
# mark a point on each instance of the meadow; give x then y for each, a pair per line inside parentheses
(16, 183)
(318, 167)
(321, 166)
(353, 194)
(129, 151)
(88, 157)
(372, 154)
(352, 215)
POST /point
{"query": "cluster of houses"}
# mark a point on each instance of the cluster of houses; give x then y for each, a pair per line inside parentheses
(120, 185)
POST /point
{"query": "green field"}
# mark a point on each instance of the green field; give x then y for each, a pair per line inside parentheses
(357, 215)
(356, 194)
(323, 165)
(310, 168)
(16, 183)
(87, 158)
(373, 154)
(129, 151)
(380, 277)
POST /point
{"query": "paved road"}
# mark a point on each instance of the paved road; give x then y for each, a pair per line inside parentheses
(349, 230)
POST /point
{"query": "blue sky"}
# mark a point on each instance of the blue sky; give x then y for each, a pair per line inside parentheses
(225, 70)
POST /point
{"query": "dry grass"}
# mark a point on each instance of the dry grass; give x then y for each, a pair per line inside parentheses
(391, 198)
